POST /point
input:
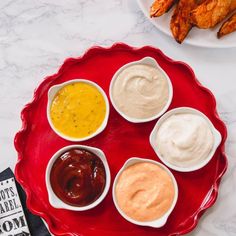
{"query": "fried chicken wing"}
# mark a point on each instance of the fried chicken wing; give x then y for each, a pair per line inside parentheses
(228, 27)
(159, 7)
(180, 23)
(201, 1)
(233, 5)
(211, 12)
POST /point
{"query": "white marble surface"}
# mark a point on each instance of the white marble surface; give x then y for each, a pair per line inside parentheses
(37, 35)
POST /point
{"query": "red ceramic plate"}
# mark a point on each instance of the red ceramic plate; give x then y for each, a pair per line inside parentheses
(36, 143)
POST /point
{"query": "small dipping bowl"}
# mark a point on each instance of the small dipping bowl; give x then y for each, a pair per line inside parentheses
(53, 92)
(185, 110)
(54, 200)
(157, 223)
(145, 61)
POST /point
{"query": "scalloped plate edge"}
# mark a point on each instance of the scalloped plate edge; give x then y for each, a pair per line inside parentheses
(18, 137)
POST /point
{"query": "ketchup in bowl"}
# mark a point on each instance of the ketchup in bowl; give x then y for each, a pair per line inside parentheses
(78, 177)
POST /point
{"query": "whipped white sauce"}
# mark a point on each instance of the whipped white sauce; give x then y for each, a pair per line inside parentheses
(140, 91)
(184, 140)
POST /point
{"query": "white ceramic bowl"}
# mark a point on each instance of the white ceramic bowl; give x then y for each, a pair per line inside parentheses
(57, 202)
(51, 94)
(188, 110)
(145, 61)
(155, 223)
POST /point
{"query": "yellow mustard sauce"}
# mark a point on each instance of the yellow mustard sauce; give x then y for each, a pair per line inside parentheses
(78, 110)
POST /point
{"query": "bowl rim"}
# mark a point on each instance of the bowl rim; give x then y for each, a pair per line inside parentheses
(54, 200)
(52, 93)
(154, 223)
(185, 110)
(144, 61)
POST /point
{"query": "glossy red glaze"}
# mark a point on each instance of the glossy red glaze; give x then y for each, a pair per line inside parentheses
(78, 177)
(37, 142)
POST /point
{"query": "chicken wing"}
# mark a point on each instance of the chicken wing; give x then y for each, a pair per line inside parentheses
(228, 27)
(233, 5)
(211, 12)
(180, 23)
(159, 7)
(201, 1)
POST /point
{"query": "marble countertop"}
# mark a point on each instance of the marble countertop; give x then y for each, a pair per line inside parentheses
(36, 37)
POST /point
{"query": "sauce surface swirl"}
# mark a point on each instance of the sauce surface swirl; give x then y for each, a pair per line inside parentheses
(140, 91)
(145, 191)
(78, 177)
(184, 140)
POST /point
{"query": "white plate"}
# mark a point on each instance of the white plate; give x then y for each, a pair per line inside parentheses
(197, 37)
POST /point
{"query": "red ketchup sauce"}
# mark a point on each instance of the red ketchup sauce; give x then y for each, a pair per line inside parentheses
(78, 177)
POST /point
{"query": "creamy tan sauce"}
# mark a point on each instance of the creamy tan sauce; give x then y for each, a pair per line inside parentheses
(184, 140)
(144, 191)
(140, 91)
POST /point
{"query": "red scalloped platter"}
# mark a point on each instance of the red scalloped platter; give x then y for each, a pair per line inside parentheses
(36, 143)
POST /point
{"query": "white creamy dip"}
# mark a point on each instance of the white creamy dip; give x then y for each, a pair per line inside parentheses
(184, 140)
(140, 91)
